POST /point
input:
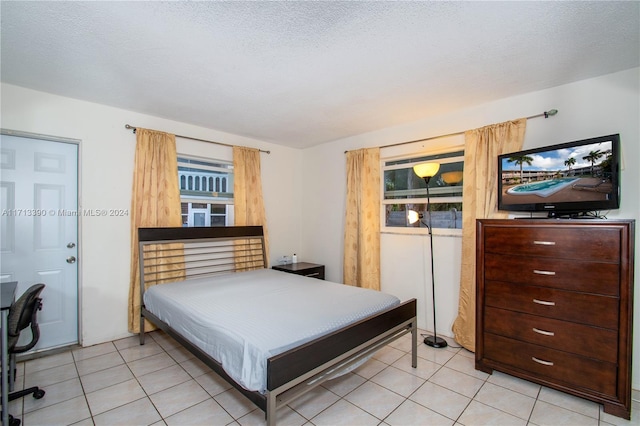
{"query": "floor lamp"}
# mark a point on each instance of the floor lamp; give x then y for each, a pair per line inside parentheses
(427, 171)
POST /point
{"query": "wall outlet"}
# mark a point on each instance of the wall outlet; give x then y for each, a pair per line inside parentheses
(285, 260)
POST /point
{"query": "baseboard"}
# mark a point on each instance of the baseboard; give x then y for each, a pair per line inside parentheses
(45, 352)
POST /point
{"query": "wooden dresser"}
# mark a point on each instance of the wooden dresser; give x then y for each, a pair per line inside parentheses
(555, 305)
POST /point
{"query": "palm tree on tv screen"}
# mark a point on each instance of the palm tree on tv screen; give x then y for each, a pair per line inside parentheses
(570, 162)
(520, 160)
(592, 157)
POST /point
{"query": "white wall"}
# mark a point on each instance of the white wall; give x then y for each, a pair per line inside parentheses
(106, 160)
(589, 108)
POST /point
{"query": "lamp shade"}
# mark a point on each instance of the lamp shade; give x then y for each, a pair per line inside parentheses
(426, 170)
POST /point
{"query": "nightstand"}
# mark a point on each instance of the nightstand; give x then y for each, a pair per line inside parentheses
(303, 268)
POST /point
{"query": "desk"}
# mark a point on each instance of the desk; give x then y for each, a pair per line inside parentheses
(8, 296)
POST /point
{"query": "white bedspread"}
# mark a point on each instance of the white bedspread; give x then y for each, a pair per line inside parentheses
(242, 319)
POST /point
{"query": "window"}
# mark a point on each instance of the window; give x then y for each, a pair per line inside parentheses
(405, 191)
(206, 192)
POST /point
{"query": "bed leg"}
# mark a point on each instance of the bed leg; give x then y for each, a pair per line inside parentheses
(414, 345)
(141, 330)
(271, 409)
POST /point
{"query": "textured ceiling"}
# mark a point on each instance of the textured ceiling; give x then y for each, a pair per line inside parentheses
(304, 73)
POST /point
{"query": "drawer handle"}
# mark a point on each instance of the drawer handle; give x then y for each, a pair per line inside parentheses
(315, 274)
(544, 333)
(539, 272)
(544, 302)
(539, 361)
(545, 243)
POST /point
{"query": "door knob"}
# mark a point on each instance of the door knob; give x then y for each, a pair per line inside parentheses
(71, 259)
(71, 245)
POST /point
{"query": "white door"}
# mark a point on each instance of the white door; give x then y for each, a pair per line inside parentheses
(39, 202)
(199, 214)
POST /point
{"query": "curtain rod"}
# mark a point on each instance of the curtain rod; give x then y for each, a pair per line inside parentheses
(545, 114)
(127, 126)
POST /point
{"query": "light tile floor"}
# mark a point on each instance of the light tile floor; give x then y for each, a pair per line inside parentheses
(123, 383)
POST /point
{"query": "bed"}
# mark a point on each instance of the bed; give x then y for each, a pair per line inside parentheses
(274, 336)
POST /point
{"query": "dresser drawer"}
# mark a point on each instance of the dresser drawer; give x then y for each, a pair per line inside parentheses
(560, 367)
(590, 309)
(556, 334)
(580, 243)
(589, 277)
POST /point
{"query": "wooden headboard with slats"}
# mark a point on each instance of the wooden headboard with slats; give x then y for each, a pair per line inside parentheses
(173, 254)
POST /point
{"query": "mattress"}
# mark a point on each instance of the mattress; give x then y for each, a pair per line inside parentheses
(242, 319)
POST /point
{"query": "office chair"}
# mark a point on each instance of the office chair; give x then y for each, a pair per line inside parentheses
(22, 314)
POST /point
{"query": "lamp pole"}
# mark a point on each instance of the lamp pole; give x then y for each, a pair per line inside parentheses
(433, 341)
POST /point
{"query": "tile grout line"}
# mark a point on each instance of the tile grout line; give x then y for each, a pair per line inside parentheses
(84, 393)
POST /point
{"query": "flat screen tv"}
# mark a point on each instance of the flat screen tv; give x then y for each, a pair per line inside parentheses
(573, 179)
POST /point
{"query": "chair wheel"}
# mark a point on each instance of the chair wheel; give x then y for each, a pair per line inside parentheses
(38, 394)
(13, 421)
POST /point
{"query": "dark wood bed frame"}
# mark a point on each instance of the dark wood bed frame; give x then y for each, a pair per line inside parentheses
(204, 251)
